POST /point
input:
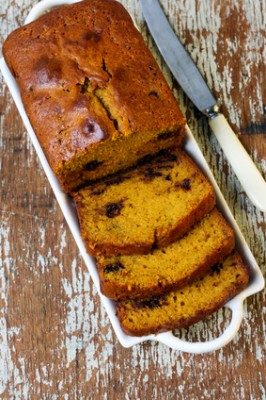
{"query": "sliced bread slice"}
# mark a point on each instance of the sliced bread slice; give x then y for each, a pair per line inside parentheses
(183, 307)
(187, 259)
(151, 205)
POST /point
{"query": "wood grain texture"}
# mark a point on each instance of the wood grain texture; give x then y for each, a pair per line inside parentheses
(56, 341)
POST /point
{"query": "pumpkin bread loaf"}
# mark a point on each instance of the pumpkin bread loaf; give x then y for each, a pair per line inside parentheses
(93, 92)
(110, 128)
(183, 307)
(139, 276)
(151, 205)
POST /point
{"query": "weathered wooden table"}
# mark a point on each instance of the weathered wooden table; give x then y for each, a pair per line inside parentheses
(56, 341)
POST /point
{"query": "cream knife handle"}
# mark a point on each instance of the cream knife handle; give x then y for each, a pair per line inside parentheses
(246, 171)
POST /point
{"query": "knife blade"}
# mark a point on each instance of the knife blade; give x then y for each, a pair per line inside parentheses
(191, 81)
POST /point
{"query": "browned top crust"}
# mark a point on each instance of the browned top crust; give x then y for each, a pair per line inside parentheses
(85, 75)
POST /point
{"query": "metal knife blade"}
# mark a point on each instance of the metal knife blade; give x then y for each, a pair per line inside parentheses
(177, 58)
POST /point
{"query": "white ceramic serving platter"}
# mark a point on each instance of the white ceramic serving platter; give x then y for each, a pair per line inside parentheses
(236, 305)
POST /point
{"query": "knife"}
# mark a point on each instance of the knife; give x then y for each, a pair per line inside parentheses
(191, 81)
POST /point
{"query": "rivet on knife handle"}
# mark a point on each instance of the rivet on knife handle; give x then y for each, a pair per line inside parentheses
(190, 79)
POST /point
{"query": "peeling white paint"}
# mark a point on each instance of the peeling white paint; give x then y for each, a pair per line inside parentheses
(41, 229)
(6, 364)
(63, 243)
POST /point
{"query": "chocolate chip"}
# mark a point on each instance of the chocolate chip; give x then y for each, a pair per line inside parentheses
(92, 165)
(186, 184)
(164, 166)
(153, 302)
(98, 192)
(150, 173)
(165, 156)
(165, 135)
(167, 178)
(113, 267)
(146, 159)
(113, 209)
(216, 268)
